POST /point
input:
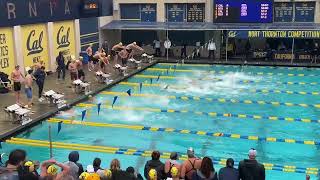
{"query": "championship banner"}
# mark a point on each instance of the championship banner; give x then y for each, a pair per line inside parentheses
(35, 44)
(64, 39)
(6, 50)
(275, 34)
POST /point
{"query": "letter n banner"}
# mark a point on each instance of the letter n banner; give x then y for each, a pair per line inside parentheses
(64, 38)
(7, 61)
(35, 44)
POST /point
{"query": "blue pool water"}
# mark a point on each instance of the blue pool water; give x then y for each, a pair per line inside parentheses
(195, 89)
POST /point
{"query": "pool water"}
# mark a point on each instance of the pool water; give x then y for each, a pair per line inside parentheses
(215, 109)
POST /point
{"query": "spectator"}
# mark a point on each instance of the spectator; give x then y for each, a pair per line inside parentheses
(156, 164)
(130, 170)
(157, 47)
(16, 158)
(29, 171)
(212, 48)
(40, 76)
(28, 87)
(206, 171)
(96, 164)
(61, 66)
(17, 77)
(74, 157)
(172, 162)
(250, 168)
(229, 172)
(117, 173)
(190, 165)
(49, 170)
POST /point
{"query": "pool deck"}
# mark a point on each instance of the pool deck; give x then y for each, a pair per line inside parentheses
(43, 110)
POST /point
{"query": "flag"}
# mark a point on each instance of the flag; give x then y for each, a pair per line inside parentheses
(83, 114)
(114, 100)
(140, 87)
(59, 126)
(158, 77)
(99, 108)
(167, 71)
(129, 92)
(150, 80)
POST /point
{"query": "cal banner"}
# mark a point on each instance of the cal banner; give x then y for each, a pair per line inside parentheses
(6, 50)
(64, 39)
(35, 44)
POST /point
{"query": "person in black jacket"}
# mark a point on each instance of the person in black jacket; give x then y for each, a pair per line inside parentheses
(229, 172)
(61, 66)
(40, 76)
(74, 157)
(156, 164)
(250, 169)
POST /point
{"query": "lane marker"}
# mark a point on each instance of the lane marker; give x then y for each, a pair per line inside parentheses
(218, 79)
(184, 131)
(147, 153)
(224, 72)
(218, 100)
(210, 114)
(264, 91)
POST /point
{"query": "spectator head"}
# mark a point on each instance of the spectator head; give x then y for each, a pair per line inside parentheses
(174, 172)
(16, 157)
(115, 165)
(84, 176)
(190, 153)
(230, 163)
(97, 162)
(17, 67)
(105, 174)
(155, 155)
(174, 156)
(152, 174)
(74, 156)
(252, 153)
(206, 167)
(130, 170)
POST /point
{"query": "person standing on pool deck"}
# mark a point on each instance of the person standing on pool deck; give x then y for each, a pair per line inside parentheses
(40, 76)
(190, 165)
(61, 65)
(229, 172)
(17, 77)
(250, 168)
(28, 86)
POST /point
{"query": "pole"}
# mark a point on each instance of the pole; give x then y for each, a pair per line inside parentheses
(292, 51)
(227, 47)
(50, 142)
(167, 49)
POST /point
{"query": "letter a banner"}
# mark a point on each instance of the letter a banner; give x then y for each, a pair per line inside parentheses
(64, 38)
(35, 44)
(7, 62)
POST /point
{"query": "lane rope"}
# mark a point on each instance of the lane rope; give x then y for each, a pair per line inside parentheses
(264, 91)
(200, 113)
(147, 153)
(218, 79)
(219, 100)
(224, 72)
(185, 131)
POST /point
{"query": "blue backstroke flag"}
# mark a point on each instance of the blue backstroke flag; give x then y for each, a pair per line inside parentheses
(59, 126)
(99, 108)
(114, 100)
(84, 112)
(140, 87)
(129, 92)
(151, 80)
(158, 77)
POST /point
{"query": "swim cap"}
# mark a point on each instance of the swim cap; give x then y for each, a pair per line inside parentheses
(52, 170)
(84, 176)
(28, 163)
(107, 173)
(152, 174)
(174, 171)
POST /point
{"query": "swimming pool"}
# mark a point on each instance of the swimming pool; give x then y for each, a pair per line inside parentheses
(220, 111)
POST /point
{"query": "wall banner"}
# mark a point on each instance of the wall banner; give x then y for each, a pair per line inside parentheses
(7, 62)
(35, 44)
(64, 39)
(313, 34)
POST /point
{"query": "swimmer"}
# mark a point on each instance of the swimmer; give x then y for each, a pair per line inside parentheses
(68, 114)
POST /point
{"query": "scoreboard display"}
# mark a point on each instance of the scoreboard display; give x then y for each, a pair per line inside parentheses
(243, 11)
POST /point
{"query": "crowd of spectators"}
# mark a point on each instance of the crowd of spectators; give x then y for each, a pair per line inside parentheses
(18, 167)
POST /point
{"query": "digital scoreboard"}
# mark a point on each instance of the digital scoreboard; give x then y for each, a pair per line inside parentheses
(243, 11)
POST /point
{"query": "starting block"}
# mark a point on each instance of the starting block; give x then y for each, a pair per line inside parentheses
(55, 98)
(147, 58)
(132, 63)
(18, 114)
(80, 86)
(120, 69)
(103, 77)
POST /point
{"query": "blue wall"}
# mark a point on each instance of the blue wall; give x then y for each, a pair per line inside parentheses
(89, 33)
